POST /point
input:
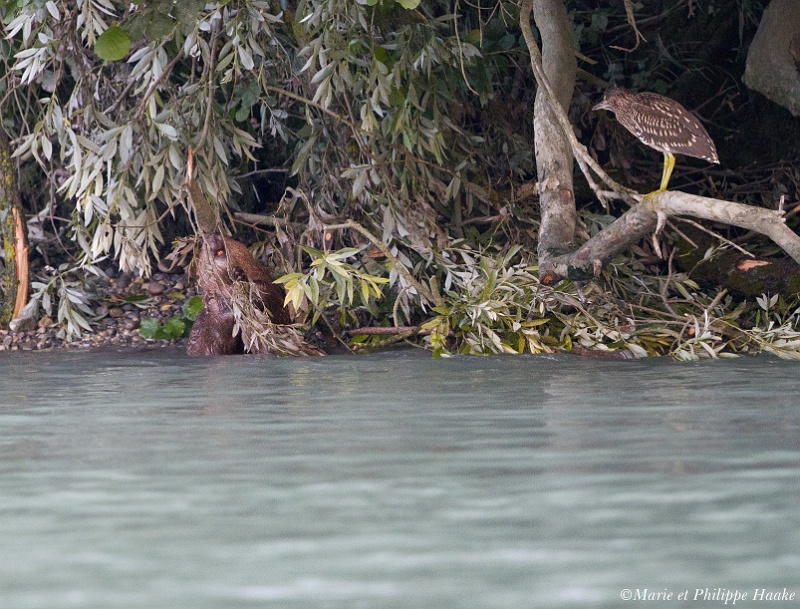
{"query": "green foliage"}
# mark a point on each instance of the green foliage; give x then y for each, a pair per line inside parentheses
(494, 303)
(113, 44)
(777, 326)
(331, 282)
(120, 131)
(411, 119)
(366, 105)
(493, 306)
(151, 328)
(192, 307)
(177, 326)
(66, 294)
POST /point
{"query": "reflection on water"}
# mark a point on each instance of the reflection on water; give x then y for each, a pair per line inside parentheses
(154, 480)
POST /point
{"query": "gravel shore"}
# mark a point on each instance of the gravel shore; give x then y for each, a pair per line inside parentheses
(117, 322)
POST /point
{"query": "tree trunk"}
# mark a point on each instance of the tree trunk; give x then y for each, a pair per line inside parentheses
(775, 54)
(14, 271)
(554, 161)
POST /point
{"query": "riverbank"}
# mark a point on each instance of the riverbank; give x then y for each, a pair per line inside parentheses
(124, 301)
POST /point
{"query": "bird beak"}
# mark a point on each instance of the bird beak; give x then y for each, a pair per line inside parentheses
(603, 105)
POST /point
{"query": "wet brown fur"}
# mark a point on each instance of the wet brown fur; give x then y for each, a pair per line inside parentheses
(221, 262)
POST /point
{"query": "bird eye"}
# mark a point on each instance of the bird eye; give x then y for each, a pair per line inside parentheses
(220, 252)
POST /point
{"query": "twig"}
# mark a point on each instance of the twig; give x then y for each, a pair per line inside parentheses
(154, 85)
(212, 63)
(716, 235)
(308, 102)
(632, 23)
(716, 300)
(665, 284)
(256, 219)
(384, 331)
(460, 50)
(261, 171)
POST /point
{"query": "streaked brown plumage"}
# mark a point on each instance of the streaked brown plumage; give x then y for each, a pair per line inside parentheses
(223, 261)
(661, 123)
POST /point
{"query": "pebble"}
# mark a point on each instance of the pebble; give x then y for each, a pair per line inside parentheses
(118, 325)
(123, 281)
(155, 287)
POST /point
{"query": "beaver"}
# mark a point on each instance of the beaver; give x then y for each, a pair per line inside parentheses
(222, 262)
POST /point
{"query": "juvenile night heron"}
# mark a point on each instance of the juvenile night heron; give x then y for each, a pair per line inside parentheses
(661, 123)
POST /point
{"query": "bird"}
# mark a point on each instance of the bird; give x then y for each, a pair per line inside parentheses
(661, 123)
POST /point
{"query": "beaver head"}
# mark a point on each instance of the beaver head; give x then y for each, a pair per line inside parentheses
(225, 261)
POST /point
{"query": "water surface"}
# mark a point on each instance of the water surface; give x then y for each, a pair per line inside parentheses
(150, 480)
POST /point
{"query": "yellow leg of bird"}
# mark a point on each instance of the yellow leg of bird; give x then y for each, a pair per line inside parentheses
(669, 165)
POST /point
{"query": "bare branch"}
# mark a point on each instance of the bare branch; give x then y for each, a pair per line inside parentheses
(256, 219)
(764, 221)
(387, 331)
(588, 260)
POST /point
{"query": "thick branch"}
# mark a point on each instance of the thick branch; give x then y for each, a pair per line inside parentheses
(771, 61)
(555, 139)
(640, 220)
(757, 219)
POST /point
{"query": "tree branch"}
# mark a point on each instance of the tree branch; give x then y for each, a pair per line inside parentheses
(256, 219)
(388, 331)
(588, 260)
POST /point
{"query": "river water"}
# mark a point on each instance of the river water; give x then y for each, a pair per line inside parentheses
(151, 480)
